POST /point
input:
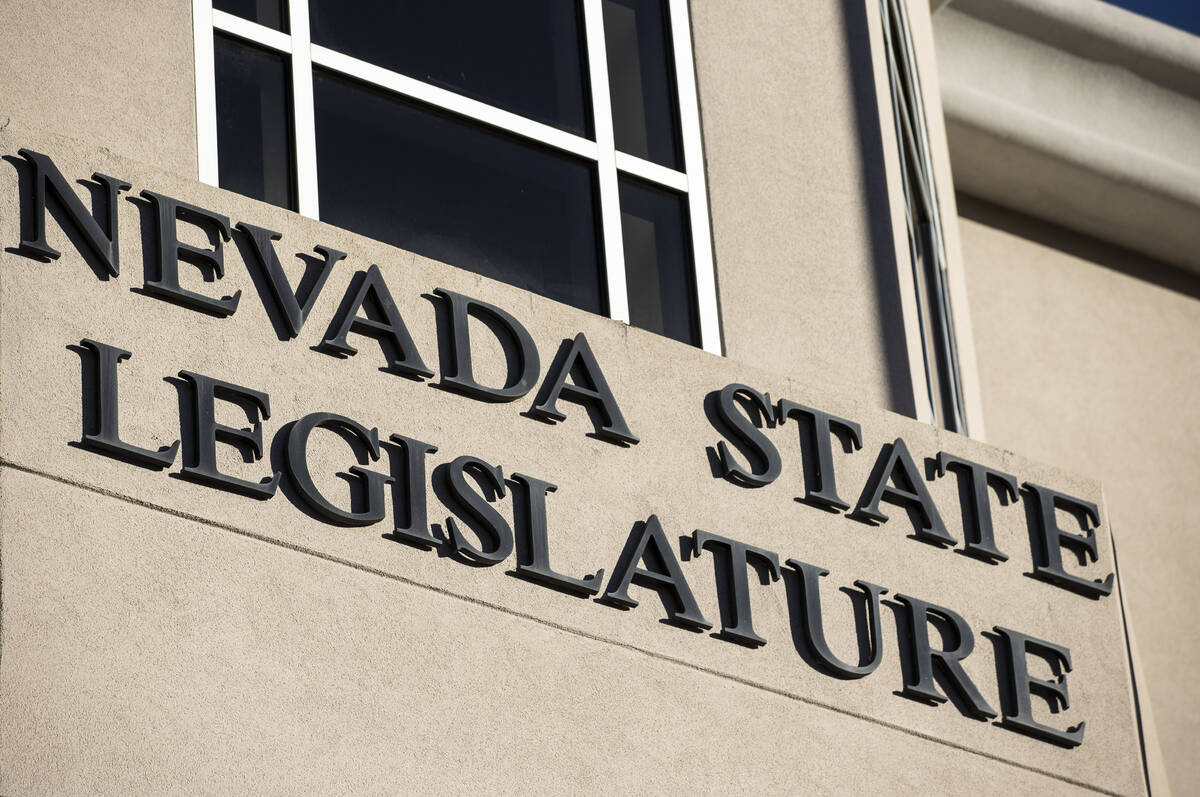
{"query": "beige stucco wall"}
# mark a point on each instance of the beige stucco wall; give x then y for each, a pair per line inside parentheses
(119, 73)
(1089, 358)
(157, 635)
(152, 654)
(802, 225)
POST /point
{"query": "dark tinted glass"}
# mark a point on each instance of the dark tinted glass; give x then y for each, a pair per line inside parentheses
(658, 261)
(271, 13)
(254, 122)
(457, 192)
(640, 79)
(523, 56)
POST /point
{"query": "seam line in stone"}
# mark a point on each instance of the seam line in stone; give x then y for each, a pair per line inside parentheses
(1137, 706)
(6, 463)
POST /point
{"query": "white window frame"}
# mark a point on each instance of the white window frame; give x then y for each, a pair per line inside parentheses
(912, 140)
(610, 163)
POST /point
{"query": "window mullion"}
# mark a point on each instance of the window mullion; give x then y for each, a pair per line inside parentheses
(684, 182)
(206, 92)
(693, 160)
(652, 172)
(304, 117)
(452, 102)
(250, 31)
(606, 162)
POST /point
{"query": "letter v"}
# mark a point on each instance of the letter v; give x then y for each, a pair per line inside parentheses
(293, 310)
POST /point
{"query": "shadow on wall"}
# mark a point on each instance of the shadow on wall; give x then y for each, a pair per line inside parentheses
(1085, 247)
(879, 216)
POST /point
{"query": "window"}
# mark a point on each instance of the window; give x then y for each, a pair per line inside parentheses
(926, 246)
(551, 144)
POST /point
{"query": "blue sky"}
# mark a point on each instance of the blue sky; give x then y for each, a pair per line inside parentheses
(1183, 14)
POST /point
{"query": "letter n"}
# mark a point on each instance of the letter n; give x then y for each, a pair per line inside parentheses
(48, 181)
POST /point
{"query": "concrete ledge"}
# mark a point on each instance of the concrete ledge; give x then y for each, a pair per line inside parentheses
(1078, 113)
(1117, 161)
(1072, 177)
(1101, 32)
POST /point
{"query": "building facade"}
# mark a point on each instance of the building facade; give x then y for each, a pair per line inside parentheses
(604, 395)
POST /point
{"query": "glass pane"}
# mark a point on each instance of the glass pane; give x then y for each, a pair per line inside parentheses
(658, 261)
(254, 122)
(640, 79)
(457, 192)
(271, 13)
(524, 56)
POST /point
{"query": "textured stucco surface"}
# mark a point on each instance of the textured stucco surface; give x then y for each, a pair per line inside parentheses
(157, 655)
(801, 220)
(301, 622)
(1089, 358)
(120, 73)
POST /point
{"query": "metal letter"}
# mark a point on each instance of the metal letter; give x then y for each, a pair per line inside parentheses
(1047, 557)
(1019, 716)
(895, 463)
(749, 436)
(647, 543)
(169, 250)
(589, 388)
(382, 322)
(479, 508)
(301, 476)
(106, 438)
(977, 510)
(101, 243)
(206, 433)
(814, 624)
(417, 531)
(293, 309)
(950, 672)
(537, 565)
(817, 451)
(736, 577)
(459, 375)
